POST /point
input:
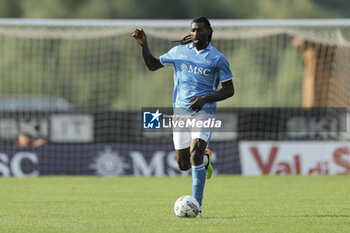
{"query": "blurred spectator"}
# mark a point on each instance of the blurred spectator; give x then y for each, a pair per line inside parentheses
(25, 139)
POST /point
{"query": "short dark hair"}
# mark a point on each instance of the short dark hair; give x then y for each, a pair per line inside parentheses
(187, 39)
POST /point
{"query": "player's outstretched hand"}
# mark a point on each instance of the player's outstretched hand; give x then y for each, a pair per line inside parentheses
(140, 36)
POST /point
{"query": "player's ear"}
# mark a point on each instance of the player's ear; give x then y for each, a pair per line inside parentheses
(209, 32)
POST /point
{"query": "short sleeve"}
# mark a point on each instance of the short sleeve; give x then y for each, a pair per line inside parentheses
(169, 57)
(225, 73)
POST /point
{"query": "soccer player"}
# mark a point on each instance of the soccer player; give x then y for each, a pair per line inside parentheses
(199, 68)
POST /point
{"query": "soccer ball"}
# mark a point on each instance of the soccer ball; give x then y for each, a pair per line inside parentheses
(186, 207)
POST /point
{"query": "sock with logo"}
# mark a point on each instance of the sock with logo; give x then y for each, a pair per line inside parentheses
(198, 182)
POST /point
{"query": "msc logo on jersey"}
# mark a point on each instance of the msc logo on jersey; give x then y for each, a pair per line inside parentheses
(195, 69)
(151, 120)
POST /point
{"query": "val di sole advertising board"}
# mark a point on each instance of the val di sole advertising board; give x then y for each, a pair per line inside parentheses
(108, 160)
(300, 158)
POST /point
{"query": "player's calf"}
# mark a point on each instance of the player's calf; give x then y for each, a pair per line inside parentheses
(183, 159)
(184, 167)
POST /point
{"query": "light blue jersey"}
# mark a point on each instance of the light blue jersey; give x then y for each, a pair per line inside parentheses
(196, 73)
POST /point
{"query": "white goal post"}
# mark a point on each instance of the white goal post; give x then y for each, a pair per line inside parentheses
(265, 35)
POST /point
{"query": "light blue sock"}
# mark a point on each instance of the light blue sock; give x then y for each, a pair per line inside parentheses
(198, 182)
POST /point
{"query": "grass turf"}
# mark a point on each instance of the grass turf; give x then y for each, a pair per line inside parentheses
(138, 204)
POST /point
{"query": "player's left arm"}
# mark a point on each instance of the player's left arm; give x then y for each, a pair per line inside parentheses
(225, 92)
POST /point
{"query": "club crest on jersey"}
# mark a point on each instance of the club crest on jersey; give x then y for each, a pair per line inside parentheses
(207, 62)
(183, 67)
(195, 69)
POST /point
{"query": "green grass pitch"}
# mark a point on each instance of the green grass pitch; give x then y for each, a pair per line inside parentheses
(139, 204)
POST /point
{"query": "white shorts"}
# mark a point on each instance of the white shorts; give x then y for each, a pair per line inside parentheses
(182, 139)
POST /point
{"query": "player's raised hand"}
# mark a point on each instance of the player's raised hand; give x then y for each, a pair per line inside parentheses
(140, 36)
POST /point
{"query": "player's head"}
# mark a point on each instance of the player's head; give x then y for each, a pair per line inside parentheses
(204, 25)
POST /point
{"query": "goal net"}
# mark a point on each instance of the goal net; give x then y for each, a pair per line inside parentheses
(81, 85)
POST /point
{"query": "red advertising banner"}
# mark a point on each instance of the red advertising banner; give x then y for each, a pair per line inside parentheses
(295, 158)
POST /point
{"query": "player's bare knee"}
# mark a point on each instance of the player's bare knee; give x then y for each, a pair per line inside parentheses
(183, 159)
(197, 151)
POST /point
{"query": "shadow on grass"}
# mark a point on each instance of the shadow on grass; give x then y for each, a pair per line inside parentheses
(213, 217)
(289, 216)
(318, 216)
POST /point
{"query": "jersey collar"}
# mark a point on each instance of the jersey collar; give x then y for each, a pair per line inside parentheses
(191, 46)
